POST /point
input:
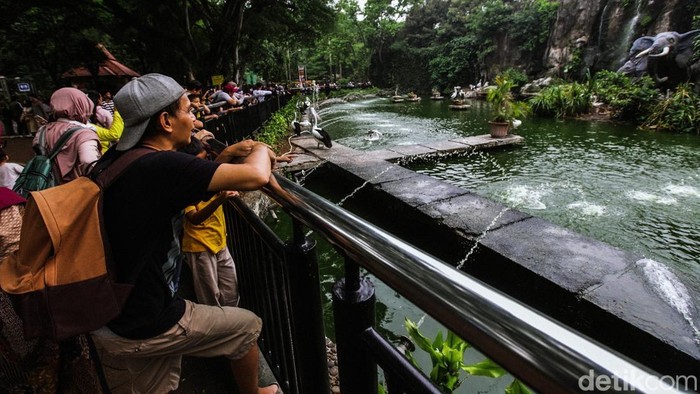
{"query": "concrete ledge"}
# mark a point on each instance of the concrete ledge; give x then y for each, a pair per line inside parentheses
(471, 214)
(562, 256)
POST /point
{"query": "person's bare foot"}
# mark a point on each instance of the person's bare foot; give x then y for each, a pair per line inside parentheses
(271, 389)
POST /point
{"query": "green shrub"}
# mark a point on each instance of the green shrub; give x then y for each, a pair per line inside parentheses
(679, 112)
(517, 77)
(628, 99)
(562, 101)
(277, 127)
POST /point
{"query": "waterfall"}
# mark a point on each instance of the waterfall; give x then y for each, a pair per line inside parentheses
(627, 34)
(601, 25)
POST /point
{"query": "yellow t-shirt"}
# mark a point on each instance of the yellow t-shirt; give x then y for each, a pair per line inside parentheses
(210, 235)
(112, 134)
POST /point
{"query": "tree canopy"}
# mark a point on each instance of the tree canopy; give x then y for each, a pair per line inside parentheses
(414, 44)
(181, 38)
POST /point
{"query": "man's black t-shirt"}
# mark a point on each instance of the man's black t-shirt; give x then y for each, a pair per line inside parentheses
(138, 208)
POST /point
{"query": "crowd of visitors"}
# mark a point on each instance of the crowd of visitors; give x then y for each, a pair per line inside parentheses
(165, 208)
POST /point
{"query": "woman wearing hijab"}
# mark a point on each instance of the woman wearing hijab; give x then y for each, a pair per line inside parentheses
(71, 108)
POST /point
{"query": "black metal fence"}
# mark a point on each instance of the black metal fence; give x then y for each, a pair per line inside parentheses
(279, 281)
(238, 125)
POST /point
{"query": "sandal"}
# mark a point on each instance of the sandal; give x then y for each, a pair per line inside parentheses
(265, 375)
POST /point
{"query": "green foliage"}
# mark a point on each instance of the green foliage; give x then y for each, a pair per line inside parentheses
(453, 42)
(645, 21)
(198, 38)
(277, 127)
(517, 387)
(629, 99)
(516, 76)
(574, 67)
(454, 61)
(530, 25)
(561, 101)
(680, 112)
(447, 357)
(503, 107)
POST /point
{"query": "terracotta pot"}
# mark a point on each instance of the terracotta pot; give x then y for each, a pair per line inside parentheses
(499, 129)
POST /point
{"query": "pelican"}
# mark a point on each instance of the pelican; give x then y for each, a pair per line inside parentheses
(373, 135)
(322, 136)
(296, 126)
(302, 106)
(456, 93)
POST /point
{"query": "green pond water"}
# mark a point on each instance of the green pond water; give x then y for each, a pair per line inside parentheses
(636, 190)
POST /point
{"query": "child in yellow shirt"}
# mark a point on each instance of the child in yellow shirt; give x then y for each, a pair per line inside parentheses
(205, 251)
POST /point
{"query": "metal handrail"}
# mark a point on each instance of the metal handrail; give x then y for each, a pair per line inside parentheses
(546, 355)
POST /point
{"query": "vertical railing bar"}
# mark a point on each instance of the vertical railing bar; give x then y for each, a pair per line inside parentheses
(396, 365)
(353, 313)
(307, 316)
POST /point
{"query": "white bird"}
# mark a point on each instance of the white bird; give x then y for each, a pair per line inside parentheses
(457, 93)
(516, 123)
(322, 136)
(302, 106)
(373, 135)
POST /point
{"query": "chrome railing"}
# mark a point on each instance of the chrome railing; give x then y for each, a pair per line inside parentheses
(546, 355)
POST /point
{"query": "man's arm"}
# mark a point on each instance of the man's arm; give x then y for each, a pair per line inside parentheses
(251, 174)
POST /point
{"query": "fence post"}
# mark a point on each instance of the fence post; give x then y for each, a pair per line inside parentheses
(307, 317)
(354, 312)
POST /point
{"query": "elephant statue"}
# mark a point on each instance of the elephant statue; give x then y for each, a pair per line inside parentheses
(666, 57)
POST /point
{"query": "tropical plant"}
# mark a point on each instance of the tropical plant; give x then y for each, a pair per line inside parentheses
(628, 99)
(563, 100)
(504, 108)
(679, 112)
(447, 357)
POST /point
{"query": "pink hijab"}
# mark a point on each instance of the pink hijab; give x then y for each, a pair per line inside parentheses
(69, 104)
(72, 104)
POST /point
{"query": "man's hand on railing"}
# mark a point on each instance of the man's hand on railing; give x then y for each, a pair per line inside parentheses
(238, 151)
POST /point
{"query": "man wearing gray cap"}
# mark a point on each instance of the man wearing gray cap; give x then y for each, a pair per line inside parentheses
(141, 349)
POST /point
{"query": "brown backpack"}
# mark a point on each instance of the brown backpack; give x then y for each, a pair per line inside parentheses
(60, 279)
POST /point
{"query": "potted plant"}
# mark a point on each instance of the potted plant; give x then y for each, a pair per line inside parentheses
(504, 108)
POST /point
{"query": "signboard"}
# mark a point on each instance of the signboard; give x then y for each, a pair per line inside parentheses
(217, 79)
(301, 70)
(24, 87)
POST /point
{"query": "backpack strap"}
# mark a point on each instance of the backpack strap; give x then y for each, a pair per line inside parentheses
(40, 148)
(107, 172)
(61, 141)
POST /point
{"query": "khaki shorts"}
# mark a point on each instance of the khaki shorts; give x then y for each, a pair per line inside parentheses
(153, 365)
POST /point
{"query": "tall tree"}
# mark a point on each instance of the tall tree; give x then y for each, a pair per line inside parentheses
(181, 38)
